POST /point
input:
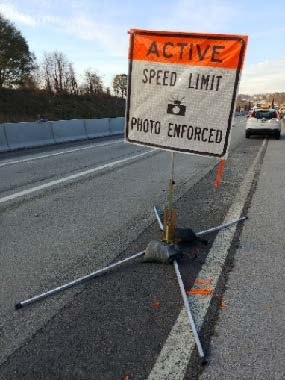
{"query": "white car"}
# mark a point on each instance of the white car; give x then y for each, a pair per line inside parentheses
(263, 122)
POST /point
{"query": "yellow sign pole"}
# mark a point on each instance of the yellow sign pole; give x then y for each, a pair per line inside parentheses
(169, 220)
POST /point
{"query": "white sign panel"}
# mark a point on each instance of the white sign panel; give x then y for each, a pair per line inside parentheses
(182, 90)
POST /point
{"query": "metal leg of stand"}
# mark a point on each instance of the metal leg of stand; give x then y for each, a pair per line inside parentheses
(158, 218)
(75, 282)
(205, 232)
(187, 307)
(80, 280)
(218, 228)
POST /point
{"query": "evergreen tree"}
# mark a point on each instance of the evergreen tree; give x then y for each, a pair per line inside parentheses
(16, 60)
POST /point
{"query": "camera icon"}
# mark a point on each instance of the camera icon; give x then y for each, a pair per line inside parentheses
(176, 107)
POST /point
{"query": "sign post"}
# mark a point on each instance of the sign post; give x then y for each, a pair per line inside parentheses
(169, 217)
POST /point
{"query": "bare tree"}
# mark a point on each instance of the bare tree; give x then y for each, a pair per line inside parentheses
(47, 68)
(60, 72)
(72, 85)
(120, 85)
(93, 83)
(57, 72)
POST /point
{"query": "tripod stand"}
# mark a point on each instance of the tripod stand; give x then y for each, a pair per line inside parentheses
(168, 228)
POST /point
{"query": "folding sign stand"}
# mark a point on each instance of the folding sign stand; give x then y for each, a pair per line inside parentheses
(163, 110)
(168, 228)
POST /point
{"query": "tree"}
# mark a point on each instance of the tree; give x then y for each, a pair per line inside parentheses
(47, 68)
(120, 85)
(16, 60)
(31, 82)
(55, 72)
(72, 85)
(58, 74)
(93, 83)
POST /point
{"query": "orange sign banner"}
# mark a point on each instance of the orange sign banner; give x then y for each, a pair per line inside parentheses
(189, 48)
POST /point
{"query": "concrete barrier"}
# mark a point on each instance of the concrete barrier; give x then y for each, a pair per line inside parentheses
(117, 125)
(68, 130)
(3, 141)
(97, 127)
(26, 135)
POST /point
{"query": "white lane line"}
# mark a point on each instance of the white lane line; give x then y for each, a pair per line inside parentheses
(174, 357)
(46, 155)
(71, 177)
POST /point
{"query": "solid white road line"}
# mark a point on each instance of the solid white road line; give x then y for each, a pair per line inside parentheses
(46, 155)
(71, 177)
(174, 357)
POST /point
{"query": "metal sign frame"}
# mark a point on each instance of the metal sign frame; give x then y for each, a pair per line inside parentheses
(237, 38)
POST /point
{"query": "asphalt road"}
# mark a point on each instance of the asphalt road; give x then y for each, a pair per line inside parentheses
(70, 210)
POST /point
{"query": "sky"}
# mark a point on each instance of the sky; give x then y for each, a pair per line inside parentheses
(94, 33)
